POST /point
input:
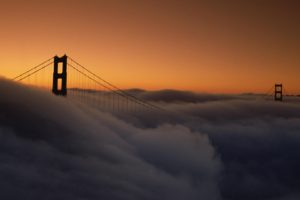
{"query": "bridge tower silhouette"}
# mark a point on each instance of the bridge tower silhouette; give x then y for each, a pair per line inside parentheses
(278, 92)
(59, 86)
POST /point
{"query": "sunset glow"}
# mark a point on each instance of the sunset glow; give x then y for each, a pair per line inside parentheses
(229, 47)
(150, 99)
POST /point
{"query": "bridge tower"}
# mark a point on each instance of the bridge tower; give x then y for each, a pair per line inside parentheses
(59, 86)
(278, 92)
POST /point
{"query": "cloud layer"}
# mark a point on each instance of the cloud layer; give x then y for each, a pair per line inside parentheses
(257, 140)
(227, 147)
(51, 148)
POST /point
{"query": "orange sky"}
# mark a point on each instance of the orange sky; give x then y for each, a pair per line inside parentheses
(211, 46)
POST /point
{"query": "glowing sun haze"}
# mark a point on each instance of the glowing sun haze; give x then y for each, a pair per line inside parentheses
(210, 46)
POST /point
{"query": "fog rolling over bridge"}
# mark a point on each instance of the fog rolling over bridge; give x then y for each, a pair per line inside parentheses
(93, 140)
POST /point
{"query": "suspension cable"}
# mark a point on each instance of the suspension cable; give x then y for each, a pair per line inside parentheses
(115, 87)
(113, 91)
(37, 66)
(34, 72)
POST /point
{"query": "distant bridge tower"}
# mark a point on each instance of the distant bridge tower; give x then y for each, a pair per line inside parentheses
(278, 92)
(59, 86)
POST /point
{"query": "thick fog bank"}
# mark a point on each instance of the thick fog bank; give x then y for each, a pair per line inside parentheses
(52, 149)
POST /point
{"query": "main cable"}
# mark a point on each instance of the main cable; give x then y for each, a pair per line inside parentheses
(33, 68)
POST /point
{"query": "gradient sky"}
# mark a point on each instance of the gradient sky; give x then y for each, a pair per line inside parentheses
(210, 46)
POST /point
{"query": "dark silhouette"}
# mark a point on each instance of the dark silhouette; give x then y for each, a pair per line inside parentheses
(278, 92)
(60, 88)
(115, 98)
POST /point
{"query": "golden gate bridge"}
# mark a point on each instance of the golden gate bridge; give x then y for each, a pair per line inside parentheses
(73, 80)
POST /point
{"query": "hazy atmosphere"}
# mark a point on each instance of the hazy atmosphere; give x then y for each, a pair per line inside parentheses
(149, 100)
